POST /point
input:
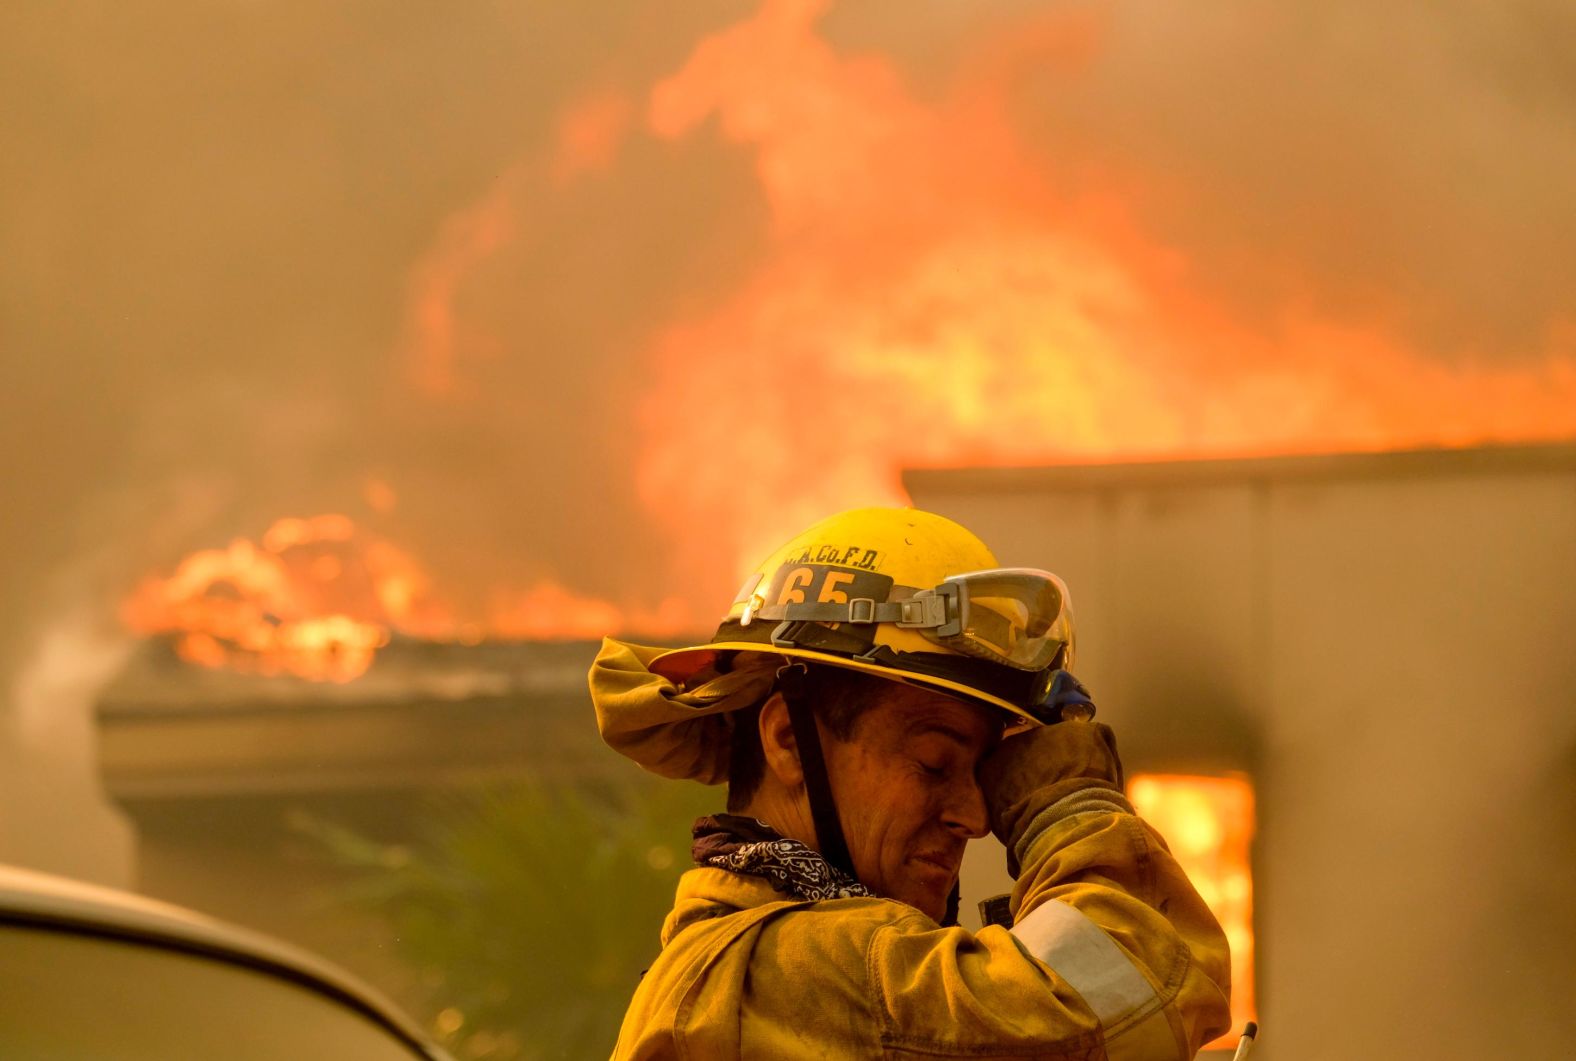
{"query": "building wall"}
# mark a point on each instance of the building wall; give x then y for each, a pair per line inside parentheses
(1385, 644)
(220, 775)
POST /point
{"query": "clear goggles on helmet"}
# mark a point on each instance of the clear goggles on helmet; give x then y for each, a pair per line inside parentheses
(1014, 616)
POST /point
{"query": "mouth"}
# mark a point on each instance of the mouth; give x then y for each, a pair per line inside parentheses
(937, 863)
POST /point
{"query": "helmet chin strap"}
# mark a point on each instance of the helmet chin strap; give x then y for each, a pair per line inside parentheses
(954, 900)
(818, 786)
(823, 809)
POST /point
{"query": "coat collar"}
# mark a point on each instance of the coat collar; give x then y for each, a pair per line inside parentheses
(706, 893)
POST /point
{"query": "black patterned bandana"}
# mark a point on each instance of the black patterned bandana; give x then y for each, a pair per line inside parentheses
(750, 846)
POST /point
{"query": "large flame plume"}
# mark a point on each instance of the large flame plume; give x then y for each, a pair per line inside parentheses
(931, 283)
(936, 296)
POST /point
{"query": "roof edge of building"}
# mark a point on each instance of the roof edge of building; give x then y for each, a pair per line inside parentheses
(1223, 471)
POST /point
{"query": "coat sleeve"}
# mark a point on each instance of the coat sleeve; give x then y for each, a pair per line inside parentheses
(1112, 953)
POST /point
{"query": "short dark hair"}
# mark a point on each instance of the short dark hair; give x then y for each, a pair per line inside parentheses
(838, 696)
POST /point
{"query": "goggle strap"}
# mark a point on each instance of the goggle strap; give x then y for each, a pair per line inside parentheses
(916, 613)
(921, 612)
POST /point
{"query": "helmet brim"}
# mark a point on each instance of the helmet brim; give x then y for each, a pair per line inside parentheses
(681, 664)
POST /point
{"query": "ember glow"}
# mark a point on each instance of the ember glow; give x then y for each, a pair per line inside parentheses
(1208, 823)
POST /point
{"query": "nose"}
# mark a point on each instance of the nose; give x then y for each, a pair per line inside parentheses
(965, 814)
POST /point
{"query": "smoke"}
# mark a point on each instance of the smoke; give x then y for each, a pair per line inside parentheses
(1402, 163)
(53, 813)
(515, 264)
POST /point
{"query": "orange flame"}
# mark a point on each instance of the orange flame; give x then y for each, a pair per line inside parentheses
(932, 291)
(934, 296)
(316, 598)
(548, 611)
(1208, 823)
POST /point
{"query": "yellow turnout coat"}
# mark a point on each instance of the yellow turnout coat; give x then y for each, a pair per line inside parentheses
(1111, 955)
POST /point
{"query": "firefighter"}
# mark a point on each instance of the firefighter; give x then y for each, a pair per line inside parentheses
(879, 693)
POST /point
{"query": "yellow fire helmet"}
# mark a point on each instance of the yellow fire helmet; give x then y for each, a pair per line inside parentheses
(904, 594)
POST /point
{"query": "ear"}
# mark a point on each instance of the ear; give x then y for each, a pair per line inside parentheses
(778, 746)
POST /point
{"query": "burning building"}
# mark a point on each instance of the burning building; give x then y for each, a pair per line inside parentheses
(355, 359)
(1339, 682)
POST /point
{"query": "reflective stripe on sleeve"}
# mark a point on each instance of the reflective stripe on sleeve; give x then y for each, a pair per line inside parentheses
(1080, 952)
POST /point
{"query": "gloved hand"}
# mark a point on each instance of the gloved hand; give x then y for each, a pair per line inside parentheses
(1041, 767)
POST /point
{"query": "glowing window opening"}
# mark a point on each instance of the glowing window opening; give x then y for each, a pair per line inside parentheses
(1208, 824)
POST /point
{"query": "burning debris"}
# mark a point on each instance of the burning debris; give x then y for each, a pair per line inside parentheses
(314, 598)
(317, 598)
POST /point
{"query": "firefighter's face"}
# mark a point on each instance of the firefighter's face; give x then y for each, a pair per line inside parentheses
(906, 789)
